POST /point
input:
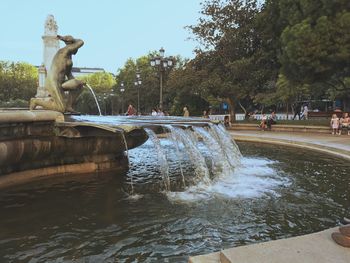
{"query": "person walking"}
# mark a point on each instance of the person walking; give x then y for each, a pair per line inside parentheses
(297, 109)
(305, 113)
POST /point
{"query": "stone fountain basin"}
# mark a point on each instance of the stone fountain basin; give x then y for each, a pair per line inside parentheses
(36, 144)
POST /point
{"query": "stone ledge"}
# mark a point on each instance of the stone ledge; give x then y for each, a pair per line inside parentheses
(209, 258)
(311, 146)
(313, 248)
(12, 116)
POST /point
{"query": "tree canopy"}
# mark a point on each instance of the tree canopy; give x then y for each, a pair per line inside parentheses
(18, 81)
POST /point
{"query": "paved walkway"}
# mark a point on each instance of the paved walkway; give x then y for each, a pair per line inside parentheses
(312, 248)
(333, 144)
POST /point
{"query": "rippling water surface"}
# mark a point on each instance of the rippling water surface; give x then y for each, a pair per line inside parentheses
(276, 192)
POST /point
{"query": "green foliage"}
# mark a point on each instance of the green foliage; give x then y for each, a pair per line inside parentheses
(316, 44)
(100, 81)
(16, 103)
(17, 81)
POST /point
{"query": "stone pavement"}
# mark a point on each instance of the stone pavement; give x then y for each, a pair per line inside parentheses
(312, 248)
(328, 143)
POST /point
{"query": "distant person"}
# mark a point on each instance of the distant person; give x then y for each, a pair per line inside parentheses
(227, 121)
(160, 112)
(205, 114)
(297, 109)
(345, 123)
(272, 120)
(335, 124)
(186, 112)
(154, 112)
(305, 113)
(263, 122)
(131, 110)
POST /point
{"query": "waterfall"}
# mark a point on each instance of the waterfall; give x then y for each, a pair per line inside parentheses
(162, 161)
(209, 152)
(228, 145)
(220, 162)
(175, 142)
(197, 159)
(94, 95)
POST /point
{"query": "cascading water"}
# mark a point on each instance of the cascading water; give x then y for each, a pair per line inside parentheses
(162, 161)
(198, 161)
(200, 153)
(96, 101)
(228, 145)
(172, 137)
(220, 161)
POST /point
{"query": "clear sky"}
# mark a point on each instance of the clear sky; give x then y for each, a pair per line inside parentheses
(113, 30)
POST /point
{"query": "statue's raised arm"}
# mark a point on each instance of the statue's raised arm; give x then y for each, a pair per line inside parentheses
(60, 83)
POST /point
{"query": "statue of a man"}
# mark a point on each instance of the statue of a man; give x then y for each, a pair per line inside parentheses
(62, 87)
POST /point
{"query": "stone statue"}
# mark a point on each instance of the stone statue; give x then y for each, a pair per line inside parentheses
(63, 89)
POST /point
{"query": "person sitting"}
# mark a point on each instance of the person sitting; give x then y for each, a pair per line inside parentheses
(227, 121)
(344, 123)
(131, 110)
(263, 122)
(271, 120)
(154, 112)
(160, 113)
(205, 115)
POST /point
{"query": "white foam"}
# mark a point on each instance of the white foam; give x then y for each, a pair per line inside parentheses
(255, 178)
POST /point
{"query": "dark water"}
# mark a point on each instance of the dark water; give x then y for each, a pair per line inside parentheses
(280, 192)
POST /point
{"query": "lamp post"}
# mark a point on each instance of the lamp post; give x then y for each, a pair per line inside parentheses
(162, 63)
(137, 84)
(122, 89)
(112, 102)
(105, 97)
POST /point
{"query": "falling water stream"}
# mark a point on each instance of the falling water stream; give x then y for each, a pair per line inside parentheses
(162, 161)
(96, 101)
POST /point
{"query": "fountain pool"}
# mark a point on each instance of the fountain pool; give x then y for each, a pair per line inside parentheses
(181, 205)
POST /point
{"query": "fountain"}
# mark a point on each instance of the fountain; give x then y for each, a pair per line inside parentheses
(171, 186)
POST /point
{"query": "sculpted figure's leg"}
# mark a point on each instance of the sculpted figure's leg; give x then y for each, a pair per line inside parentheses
(46, 103)
(74, 87)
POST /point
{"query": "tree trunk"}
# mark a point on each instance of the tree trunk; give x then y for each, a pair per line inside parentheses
(231, 104)
(287, 109)
(245, 111)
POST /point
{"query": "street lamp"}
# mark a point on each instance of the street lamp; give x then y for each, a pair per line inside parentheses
(137, 84)
(112, 101)
(162, 63)
(122, 89)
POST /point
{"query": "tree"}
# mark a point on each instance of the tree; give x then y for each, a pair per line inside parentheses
(316, 43)
(149, 90)
(17, 81)
(229, 34)
(102, 83)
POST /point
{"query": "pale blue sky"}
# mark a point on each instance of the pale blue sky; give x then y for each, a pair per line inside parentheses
(113, 30)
